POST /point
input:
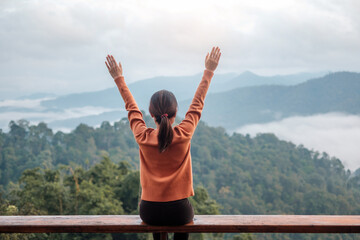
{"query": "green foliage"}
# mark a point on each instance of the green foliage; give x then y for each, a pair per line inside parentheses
(264, 175)
(67, 191)
(73, 174)
(28, 146)
(243, 236)
(105, 189)
(6, 209)
(203, 204)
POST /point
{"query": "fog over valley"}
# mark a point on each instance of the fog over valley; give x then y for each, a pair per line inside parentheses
(334, 133)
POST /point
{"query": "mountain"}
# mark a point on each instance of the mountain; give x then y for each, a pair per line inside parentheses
(335, 92)
(86, 169)
(183, 87)
(92, 120)
(38, 96)
(93, 107)
(259, 175)
(247, 79)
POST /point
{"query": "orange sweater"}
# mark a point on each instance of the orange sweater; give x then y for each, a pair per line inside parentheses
(165, 176)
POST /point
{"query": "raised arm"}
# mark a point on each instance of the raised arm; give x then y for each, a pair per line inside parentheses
(137, 123)
(193, 115)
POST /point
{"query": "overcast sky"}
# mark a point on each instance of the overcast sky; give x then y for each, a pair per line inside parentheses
(60, 46)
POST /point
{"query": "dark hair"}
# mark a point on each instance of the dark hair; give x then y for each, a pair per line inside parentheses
(161, 103)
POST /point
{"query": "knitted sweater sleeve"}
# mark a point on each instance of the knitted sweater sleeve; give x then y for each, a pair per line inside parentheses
(137, 124)
(192, 117)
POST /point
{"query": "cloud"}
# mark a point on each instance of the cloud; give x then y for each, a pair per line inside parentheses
(35, 115)
(60, 46)
(33, 104)
(334, 133)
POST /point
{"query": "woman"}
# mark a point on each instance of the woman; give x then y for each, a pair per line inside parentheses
(165, 161)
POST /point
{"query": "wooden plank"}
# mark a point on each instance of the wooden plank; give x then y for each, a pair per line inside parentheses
(201, 223)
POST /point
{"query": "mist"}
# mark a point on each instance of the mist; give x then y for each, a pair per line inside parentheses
(334, 133)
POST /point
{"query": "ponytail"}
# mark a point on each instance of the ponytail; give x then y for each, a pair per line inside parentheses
(163, 106)
(165, 135)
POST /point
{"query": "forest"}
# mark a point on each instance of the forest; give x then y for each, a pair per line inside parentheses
(96, 171)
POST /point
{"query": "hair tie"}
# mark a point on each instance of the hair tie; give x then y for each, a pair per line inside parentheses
(164, 115)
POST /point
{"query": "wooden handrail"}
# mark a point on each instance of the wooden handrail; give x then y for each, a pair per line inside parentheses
(201, 223)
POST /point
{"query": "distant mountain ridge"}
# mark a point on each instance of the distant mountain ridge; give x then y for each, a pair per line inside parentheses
(248, 79)
(183, 87)
(335, 92)
(247, 88)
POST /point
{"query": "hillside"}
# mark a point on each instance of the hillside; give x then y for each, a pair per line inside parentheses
(248, 79)
(68, 111)
(183, 87)
(260, 175)
(336, 92)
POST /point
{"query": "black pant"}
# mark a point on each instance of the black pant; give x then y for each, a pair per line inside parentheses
(172, 213)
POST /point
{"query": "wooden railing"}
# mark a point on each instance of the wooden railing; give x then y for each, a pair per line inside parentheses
(201, 224)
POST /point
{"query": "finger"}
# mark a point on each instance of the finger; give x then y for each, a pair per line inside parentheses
(207, 57)
(107, 66)
(218, 54)
(113, 60)
(109, 61)
(215, 51)
(218, 58)
(212, 52)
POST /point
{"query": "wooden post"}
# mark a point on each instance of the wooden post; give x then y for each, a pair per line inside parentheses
(163, 236)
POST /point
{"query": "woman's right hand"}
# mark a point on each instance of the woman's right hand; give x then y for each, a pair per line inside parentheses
(212, 60)
(115, 69)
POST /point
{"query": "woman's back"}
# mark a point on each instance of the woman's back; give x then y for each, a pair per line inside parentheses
(167, 176)
(165, 159)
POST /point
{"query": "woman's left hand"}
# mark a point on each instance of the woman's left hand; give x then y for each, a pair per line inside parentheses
(115, 69)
